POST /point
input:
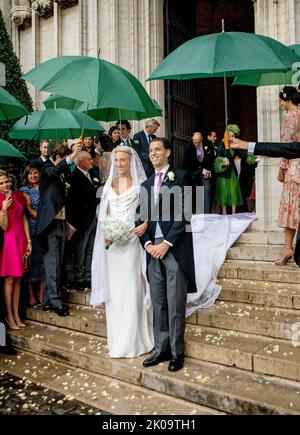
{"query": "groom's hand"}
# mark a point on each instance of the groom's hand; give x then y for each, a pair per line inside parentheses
(159, 251)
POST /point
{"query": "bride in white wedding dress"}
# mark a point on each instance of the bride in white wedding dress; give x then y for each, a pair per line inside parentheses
(118, 274)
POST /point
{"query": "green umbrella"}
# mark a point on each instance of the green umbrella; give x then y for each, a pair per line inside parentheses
(10, 108)
(225, 53)
(55, 124)
(271, 78)
(103, 114)
(59, 102)
(91, 80)
(7, 150)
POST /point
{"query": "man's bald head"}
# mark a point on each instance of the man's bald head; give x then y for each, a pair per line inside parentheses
(197, 138)
(84, 161)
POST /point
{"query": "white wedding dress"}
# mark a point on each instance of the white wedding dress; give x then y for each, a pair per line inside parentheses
(129, 331)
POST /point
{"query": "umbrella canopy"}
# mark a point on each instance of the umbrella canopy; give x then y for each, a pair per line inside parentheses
(103, 114)
(271, 78)
(55, 101)
(55, 124)
(91, 80)
(225, 53)
(10, 107)
(7, 150)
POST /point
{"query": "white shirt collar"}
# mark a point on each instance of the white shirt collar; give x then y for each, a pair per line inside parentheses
(163, 170)
(86, 173)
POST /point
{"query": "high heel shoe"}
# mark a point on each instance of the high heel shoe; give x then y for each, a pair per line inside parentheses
(283, 259)
(11, 326)
(20, 324)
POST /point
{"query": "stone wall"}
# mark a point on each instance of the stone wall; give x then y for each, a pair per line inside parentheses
(278, 19)
(127, 32)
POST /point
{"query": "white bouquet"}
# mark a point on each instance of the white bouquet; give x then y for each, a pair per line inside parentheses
(116, 231)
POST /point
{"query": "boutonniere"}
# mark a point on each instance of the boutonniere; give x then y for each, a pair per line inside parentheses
(95, 180)
(136, 142)
(170, 176)
(205, 148)
(67, 186)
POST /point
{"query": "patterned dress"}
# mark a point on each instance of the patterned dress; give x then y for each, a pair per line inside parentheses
(37, 273)
(289, 208)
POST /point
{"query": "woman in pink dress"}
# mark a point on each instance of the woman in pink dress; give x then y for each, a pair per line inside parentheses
(16, 247)
(289, 209)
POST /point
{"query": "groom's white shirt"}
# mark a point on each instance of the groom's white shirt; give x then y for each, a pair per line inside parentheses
(158, 231)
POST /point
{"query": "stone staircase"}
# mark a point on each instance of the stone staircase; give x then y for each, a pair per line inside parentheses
(242, 354)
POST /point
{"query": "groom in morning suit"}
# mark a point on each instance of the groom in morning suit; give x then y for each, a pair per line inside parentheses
(170, 255)
(287, 151)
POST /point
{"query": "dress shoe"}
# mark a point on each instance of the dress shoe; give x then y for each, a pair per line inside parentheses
(8, 350)
(62, 311)
(48, 307)
(176, 363)
(156, 359)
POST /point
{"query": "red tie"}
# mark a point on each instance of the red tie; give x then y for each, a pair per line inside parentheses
(159, 181)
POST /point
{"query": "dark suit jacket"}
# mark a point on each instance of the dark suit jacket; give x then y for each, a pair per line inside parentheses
(39, 162)
(81, 201)
(141, 146)
(287, 151)
(174, 226)
(192, 164)
(52, 197)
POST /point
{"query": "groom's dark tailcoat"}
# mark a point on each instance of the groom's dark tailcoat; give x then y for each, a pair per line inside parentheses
(170, 277)
(287, 151)
(174, 231)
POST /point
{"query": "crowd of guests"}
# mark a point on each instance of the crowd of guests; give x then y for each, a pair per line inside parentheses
(54, 205)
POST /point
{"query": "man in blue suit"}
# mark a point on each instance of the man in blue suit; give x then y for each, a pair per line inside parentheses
(141, 142)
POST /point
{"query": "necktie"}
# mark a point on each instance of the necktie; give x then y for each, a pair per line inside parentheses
(159, 181)
(149, 138)
(128, 143)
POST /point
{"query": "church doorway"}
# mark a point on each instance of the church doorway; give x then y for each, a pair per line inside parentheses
(199, 104)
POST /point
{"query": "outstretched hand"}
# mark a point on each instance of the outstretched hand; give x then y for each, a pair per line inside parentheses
(238, 144)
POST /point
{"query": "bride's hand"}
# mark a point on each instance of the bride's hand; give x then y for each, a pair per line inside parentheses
(141, 229)
(108, 242)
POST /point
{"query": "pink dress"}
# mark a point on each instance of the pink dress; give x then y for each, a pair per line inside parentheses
(15, 240)
(289, 208)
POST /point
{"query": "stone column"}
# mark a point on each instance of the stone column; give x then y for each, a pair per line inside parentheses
(5, 6)
(274, 19)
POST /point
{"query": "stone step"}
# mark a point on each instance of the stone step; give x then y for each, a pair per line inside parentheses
(215, 345)
(271, 294)
(251, 319)
(82, 319)
(252, 237)
(259, 320)
(105, 393)
(256, 253)
(226, 389)
(260, 271)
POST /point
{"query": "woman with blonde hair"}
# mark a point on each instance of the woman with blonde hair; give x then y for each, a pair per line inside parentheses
(118, 272)
(228, 191)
